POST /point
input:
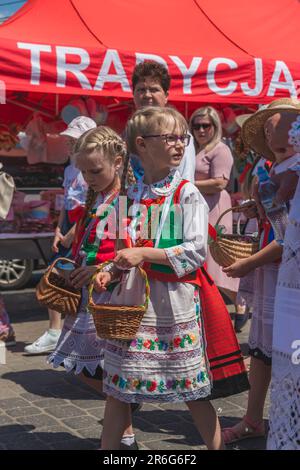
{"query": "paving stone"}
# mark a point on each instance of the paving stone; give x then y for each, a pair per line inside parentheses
(34, 396)
(159, 417)
(89, 403)
(13, 429)
(11, 403)
(76, 444)
(24, 441)
(65, 411)
(69, 392)
(4, 419)
(91, 433)
(96, 412)
(240, 400)
(24, 411)
(171, 445)
(81, 422)
(170, 406)
(50, 402)
(7, 393)
(55, 434)
(38, 420)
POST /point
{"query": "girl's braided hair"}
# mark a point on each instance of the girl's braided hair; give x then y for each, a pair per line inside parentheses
(111, 145)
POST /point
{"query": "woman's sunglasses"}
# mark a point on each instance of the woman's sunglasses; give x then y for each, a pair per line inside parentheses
(197, 127)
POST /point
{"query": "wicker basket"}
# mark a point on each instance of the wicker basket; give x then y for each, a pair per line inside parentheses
(56, 293)
(228, 248)
(119, 322)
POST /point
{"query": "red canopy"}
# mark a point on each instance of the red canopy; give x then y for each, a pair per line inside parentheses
(216, 51)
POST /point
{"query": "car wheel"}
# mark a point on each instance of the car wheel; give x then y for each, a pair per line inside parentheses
(15, 273)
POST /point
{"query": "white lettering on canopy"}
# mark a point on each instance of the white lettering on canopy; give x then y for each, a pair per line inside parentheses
(76, 69)
(212, 67)
(187, 73)
(112, 57)
(258, 80)
(288, 84)
(35, 50)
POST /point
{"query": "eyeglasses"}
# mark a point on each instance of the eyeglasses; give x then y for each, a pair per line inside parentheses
(197, 127)
(171, 139)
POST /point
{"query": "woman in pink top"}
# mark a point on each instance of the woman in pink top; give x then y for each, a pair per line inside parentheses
(213, 167)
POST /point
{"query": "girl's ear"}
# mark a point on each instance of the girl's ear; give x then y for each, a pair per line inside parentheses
(140, 143)
(118, 162)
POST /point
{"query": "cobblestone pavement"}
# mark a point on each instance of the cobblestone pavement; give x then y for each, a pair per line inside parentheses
(42, 408)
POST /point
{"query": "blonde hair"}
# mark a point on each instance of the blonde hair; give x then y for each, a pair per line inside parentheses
(105, 140)
(152, 120)
(208, 111)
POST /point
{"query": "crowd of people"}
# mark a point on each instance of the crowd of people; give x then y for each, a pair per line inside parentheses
(181, 349)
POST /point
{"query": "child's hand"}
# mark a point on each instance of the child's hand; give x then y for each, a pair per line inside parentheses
(82, 276)
(57, 239)
(256, 197)
(102, 280)
(238, 269)
(67, 240)
(129, 257)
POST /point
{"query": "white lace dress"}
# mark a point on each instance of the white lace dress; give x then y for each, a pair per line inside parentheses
(78, 346)
(284, 420)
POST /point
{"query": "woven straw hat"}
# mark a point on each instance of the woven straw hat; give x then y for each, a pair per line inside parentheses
(253, 133)
(242, 118)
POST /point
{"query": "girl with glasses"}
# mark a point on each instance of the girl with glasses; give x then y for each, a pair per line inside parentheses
(167, 361)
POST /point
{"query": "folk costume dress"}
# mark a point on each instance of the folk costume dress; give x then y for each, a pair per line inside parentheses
(79, 349)
(284, 417)
(167, 361)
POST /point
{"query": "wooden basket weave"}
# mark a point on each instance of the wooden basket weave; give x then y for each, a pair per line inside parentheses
(53, 292)
(228, 248)
(119, 322)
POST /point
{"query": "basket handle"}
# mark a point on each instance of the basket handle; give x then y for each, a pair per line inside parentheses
(100, 268)
(52, 265)
(239, 208)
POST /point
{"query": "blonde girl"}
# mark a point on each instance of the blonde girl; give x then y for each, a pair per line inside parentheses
(166, 362)
(100, 156)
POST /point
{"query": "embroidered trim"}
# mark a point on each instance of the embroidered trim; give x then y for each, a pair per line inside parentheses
(171, 397)
(164, 187)
(160, 345)
(178, 384)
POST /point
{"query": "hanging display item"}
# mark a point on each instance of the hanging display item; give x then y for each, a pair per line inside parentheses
(84, 107)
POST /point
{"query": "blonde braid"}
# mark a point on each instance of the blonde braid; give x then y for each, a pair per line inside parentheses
(103, 139)
(131, 179)
(90, 199)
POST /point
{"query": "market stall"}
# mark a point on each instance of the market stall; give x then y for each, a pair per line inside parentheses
(61, 58)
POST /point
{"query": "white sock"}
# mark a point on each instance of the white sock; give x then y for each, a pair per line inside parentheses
(54, 332)
(128, 439)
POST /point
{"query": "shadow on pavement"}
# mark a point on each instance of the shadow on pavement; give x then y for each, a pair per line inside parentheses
(169, 424)
(52, 384)
(19, 437)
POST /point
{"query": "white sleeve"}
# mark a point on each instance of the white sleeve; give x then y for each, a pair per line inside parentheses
(191, 254)
(188, 165)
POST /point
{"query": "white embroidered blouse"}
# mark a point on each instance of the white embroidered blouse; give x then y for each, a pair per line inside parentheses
(190, 255)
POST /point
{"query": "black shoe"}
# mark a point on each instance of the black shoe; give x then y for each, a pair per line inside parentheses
(133, 446)
(240, 321)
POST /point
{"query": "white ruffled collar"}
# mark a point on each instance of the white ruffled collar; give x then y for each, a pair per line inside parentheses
(164, 187)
